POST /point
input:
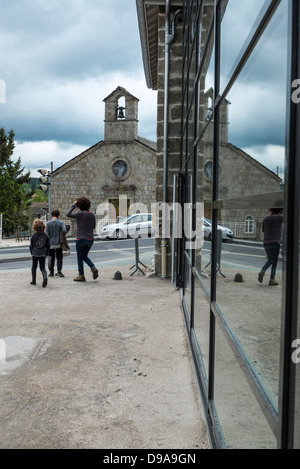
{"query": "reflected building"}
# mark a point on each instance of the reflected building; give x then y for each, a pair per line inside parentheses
(203, 56)
(239, 175)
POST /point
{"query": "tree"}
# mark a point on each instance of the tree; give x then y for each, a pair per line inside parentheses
(39, 196)
(13, 198)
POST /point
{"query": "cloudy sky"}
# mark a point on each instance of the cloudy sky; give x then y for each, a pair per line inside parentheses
(59, 59)
(257, 100)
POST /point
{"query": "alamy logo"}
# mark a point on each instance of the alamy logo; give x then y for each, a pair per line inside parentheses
(2, 92)
(296, 353)
(296, 93)
(2, 351)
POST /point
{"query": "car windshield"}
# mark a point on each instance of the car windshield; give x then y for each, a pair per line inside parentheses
(122, 220)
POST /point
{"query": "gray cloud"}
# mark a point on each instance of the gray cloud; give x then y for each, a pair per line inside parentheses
(61, 59)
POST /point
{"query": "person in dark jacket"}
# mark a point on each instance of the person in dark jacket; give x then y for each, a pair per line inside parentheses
(53, 229)
(272, 229)
(86, 222)
(39, 249)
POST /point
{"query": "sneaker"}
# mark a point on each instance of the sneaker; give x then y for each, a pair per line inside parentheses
(51, 274)
(273, 282)
(261, 276)
(80, 278)
(59, 274)
(32, 283)
(45, 281)
(94, 272)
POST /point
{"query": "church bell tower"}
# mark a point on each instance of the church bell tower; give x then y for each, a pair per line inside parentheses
(121, 116)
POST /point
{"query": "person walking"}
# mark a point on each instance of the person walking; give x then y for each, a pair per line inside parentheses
(272, 229)
(86, 222)
(53, 229)
(39, 249)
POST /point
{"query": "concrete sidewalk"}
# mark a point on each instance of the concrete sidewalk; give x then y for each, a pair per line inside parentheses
(102, 364)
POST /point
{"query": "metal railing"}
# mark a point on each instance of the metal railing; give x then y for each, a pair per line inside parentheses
(244, 230)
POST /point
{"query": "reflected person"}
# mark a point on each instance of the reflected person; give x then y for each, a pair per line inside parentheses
(272, 229)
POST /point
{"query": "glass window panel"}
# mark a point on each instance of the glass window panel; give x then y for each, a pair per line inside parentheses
(239, 17)
(253, 311)
(253, 118)
(243, 423)
(204, 195)
(240, 262)
(188, 231)
(204, 149)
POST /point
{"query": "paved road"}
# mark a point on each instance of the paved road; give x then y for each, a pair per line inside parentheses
(247, 256)
(236, 254)
(101, 252)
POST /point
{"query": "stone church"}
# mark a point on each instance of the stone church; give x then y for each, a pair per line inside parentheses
(123, 165)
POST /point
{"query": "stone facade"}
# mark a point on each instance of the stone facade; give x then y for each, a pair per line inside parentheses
(122, 164)
(239, 176)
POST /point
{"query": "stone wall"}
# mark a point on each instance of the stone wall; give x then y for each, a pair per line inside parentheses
(240, 176)
(91, 174)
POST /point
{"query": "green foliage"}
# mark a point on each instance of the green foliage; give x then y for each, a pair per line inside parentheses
(14, 192)
(34, 183)
(40, 196)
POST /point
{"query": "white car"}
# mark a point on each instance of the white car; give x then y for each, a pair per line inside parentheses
(139, 224)
(207, 227)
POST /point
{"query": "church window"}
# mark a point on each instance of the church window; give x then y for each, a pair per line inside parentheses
(208, 169)
(249, 228)
(119, 168)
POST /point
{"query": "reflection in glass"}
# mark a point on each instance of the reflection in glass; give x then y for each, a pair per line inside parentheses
(242, 420)
(187, 283)
(256, 111)
(237, 24)
(204, 194)
(188, 232)
(201, 322)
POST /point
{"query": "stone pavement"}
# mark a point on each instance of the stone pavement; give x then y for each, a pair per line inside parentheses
(103, 364)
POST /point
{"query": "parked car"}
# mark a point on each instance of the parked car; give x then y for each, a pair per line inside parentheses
(139, 224)
(207, 226)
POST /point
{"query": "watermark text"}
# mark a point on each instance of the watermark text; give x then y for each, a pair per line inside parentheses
(296, 93)
(167, 220)
(296, 353)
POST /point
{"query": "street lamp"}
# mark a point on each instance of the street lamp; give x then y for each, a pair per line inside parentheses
(46, 186)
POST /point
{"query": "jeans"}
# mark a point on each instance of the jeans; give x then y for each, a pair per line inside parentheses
(272, 251)
(41, 261)
(82, 248)
(58, 253)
